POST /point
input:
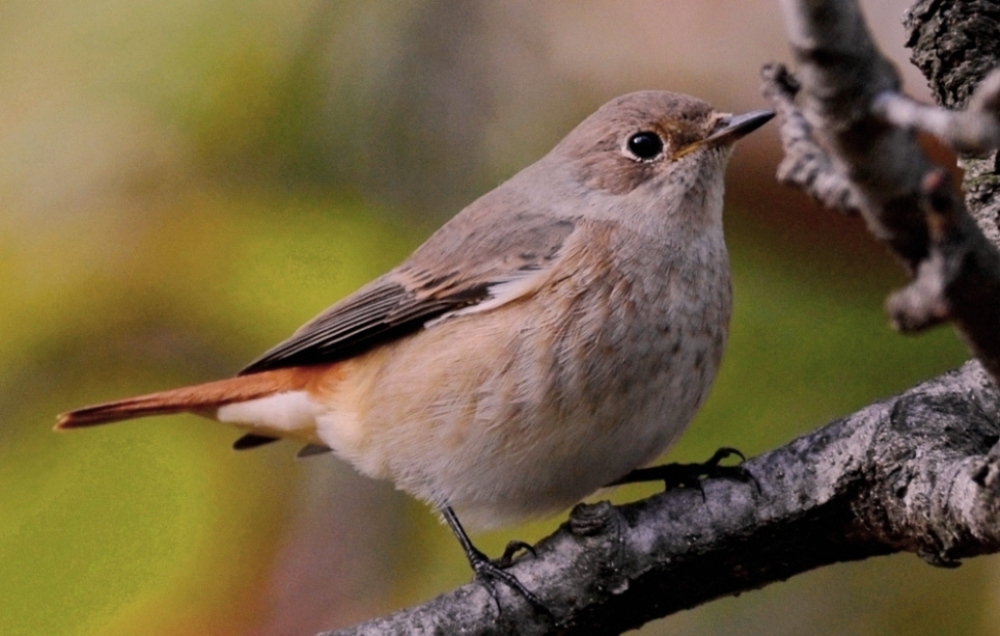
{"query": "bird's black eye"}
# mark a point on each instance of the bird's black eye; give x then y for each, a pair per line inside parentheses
(645, 145)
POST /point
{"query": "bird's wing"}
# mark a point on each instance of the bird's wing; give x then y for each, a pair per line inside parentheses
(458, 268)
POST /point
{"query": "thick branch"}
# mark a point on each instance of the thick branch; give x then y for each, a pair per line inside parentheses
(862, 140)
(919, 473)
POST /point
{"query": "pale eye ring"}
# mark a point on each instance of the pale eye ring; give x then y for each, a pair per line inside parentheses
(644, 145)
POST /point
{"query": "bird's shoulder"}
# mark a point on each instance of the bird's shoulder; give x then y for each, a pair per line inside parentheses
(497, 249)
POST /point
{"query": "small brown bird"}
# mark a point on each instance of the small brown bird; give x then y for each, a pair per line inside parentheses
(556, 334)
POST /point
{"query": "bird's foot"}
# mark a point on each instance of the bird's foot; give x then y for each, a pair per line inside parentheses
(513, 547)
(691, 475)
(488, 572)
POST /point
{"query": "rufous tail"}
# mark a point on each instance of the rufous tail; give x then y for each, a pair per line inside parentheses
(200, 398)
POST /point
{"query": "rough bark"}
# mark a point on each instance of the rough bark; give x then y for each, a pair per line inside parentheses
(919, 472)
(956, 45)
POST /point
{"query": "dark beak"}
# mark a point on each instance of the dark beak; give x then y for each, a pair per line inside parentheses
(739, 126)
(735, 127)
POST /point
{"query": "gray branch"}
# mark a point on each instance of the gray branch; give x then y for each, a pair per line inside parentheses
(806, 164)
(956, 45)
(855, 129)
(973, 131)
(918, 473)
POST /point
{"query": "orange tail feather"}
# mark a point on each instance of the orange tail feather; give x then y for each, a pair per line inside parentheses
(194, 399)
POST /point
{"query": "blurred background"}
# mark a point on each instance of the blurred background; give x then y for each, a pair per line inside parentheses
(182, 184)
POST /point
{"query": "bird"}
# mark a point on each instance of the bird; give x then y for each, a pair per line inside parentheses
(555, 336)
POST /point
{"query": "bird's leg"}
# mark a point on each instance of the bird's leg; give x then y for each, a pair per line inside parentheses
(488, 572)
(679, 475)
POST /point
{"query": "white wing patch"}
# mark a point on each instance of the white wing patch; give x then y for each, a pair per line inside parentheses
(518, 286)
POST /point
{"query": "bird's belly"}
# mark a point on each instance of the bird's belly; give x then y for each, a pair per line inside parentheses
(504, 422)
(497, 431)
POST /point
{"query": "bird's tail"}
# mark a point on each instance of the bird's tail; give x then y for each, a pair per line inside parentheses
(203, 399)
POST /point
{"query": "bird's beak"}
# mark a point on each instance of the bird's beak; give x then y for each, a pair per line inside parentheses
(739, 126)
(736, 127)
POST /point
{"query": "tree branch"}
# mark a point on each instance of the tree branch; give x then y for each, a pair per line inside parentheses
(973, 131)
(919, 473)
(856, 129)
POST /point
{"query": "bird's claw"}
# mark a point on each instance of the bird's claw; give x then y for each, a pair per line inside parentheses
(513, 547)
(691, 475)
(488, 572)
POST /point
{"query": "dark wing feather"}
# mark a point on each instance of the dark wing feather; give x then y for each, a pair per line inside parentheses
(378, 313)
(454, 269)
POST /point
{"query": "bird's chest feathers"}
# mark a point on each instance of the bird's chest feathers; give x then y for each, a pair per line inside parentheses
(644, 328)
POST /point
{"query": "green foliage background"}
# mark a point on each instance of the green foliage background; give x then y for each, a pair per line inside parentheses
(181, 186)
